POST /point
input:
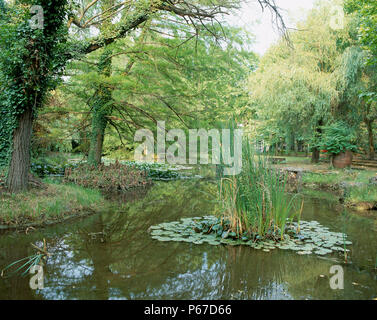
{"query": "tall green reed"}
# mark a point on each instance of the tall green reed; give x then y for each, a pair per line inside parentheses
(255, 201)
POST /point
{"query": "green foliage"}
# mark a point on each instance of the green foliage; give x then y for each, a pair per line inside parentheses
(215, 231)
(324, 78)
(22, 266)
(31, 62)
(317, 178)
(338, 137)
(293, 89)
(188, 82)
(357, 86)
(42, 168)
(101, 109)
(366, 14)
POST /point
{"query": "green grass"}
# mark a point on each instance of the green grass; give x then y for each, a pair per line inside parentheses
(328, 178)
(255, 201)
(52, 204)
(296, 160)
(356, 194)
(362, 194)
(338, 176)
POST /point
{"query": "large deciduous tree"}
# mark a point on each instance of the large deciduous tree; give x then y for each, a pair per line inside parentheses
(360, 65)
(163, 74)
(31, 59)
(357, 85)
(366, 14)
(294, 89)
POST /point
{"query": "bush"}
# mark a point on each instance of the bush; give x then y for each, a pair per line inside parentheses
(108, 177)
(338, 137)
(42, 168)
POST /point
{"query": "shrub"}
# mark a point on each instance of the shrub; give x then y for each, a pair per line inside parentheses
(108, 177)
(338, 137)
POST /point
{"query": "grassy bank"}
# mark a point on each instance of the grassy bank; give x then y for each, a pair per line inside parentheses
(54, 203)
(338, 176)
(353, 187)
(364, 198)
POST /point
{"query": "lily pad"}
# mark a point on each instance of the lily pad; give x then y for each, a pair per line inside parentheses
(312, 237)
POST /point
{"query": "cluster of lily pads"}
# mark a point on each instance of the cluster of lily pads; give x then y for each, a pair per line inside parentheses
(304, 238)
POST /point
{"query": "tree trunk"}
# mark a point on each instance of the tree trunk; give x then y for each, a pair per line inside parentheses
(19, 168)
(100, 111)
(315, 155)
(96, 143)
(294, 144)
(318, 133)
(369, 124)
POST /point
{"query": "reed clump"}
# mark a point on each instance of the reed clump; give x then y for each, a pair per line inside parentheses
(254, 203)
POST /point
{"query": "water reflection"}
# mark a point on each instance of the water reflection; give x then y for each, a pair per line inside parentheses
(111, 256)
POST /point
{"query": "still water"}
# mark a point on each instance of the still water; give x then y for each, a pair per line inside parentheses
(111, 255)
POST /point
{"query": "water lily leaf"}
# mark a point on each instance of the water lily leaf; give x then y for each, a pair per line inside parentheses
(155, 227)
(303, 252)
(225, 234)
(210, 229)
(164, 239)
(214, 243)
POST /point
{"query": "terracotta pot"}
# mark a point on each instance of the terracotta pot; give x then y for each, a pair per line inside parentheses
(342, 160)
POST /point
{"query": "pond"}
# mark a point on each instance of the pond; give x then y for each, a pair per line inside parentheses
(112, 256)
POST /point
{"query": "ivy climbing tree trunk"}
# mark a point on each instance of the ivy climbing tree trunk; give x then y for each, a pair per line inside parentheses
(33, 57)
(30, 59)
(102, 107)
(20, 157)
(102, 98)
(100, 110)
